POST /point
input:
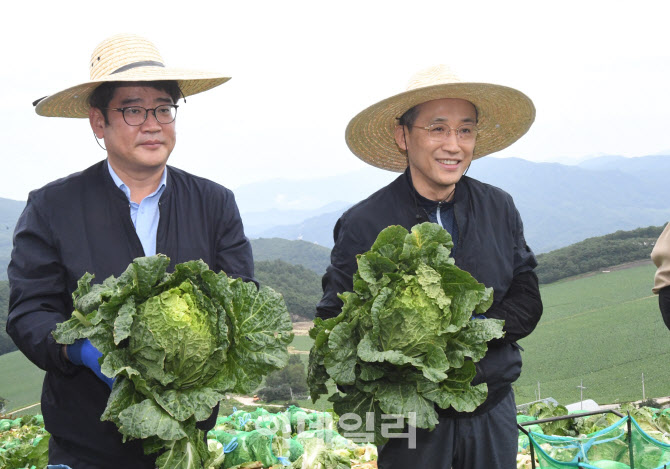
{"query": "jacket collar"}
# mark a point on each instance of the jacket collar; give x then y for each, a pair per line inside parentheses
(460, 193)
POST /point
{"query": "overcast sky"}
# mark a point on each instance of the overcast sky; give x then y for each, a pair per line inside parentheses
(597, 71)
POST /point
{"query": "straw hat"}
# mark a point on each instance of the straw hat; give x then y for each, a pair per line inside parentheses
(124, 57)
(504, 115)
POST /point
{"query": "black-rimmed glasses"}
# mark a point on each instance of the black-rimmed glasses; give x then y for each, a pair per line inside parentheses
(136, 115)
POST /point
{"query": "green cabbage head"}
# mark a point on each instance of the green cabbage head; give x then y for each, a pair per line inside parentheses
(171, 330)
(407, 320)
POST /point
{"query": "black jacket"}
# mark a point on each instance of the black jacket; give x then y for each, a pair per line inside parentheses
(491, 247)
(664, 304)
(81, 224)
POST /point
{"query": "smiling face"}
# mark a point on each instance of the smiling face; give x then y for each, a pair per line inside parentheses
(436, 166)
(135, 150)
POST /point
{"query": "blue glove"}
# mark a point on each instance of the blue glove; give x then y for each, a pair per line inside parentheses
(82, 352)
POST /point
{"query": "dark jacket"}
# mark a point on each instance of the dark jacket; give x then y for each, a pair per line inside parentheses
(81, 224)
(664, 304)
(491, 247)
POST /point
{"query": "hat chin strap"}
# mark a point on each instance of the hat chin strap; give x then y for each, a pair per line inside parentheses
(98, 141)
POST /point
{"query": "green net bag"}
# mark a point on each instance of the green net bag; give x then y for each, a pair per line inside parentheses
(620, 446)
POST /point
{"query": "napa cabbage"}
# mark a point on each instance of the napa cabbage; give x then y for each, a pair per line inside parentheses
(405, 340)
(175, 344)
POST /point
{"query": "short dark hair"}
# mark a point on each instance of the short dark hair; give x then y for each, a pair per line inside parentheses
(409, 117)
(104, 93)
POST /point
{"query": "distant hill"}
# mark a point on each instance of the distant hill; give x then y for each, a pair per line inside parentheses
(300, 286)
(644, 166)
(256, 223)
(559, 204)
(318, 229)
(6, 344)
(597, 253)
(9, 214)
(296, 252)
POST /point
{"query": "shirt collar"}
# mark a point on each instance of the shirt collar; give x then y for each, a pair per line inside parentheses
(121, 185)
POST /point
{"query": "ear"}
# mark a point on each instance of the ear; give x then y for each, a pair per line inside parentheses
(97, 121)
(399, 135)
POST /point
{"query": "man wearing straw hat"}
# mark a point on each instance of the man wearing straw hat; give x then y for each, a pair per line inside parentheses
(431, 133)
(129, 205)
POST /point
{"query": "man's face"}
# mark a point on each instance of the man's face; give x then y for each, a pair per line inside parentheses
(140, 149)
(436, 166)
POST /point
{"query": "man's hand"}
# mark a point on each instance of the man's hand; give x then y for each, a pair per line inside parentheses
(83, 353)
(521, 308)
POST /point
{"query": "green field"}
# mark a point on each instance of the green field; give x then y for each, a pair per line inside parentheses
(302, 342)
(603, 330)
(20, 382)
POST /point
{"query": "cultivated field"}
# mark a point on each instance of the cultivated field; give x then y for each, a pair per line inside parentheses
(20, 382)
(603, 330)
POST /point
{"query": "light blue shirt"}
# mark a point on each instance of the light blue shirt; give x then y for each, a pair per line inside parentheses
(146, 214)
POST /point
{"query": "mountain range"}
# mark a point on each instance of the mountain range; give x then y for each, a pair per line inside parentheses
(559, 204)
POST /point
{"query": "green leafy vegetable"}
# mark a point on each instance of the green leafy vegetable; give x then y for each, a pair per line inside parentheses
(24, 442)
(176, 343)
(404, 341)
(544, 410)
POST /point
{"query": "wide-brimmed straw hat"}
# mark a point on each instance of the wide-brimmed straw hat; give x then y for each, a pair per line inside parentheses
(124, 57)
(504, 115)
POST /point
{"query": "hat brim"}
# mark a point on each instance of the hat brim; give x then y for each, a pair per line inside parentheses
(504, 115)
(73, 102)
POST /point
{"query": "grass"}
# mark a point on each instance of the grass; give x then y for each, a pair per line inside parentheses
(21, 382)
(302, 343)
(604, 331)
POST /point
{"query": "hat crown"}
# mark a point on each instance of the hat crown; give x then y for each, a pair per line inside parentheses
(122, 50)
(435, 75)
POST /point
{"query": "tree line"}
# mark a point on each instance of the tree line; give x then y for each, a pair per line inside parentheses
(6, 344)
(300, 286)
(597, 253)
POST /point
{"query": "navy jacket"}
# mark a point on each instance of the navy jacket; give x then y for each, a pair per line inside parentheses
(81, 224)
(491, 247)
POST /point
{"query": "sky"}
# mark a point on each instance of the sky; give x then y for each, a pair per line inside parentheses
(597, 71)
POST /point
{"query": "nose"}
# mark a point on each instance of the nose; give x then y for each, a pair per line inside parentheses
(151, 122)
(451, 143)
